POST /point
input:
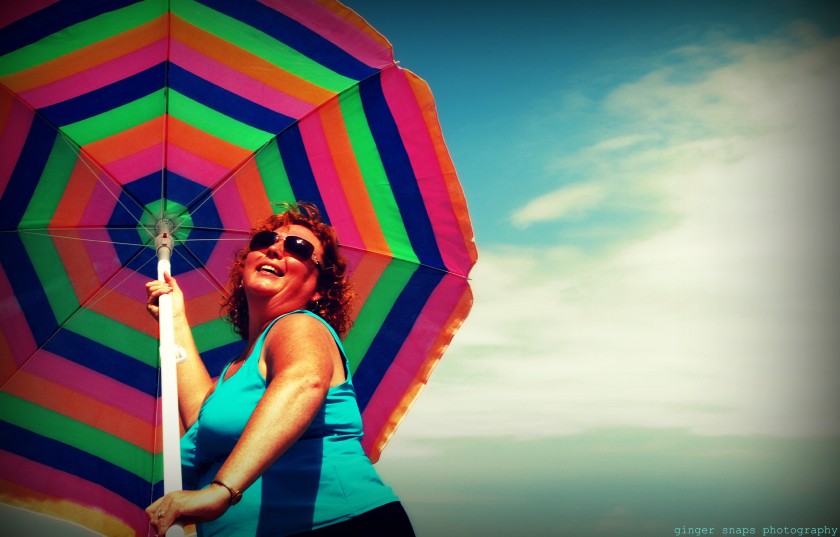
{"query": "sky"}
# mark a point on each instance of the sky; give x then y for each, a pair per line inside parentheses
(652, 347)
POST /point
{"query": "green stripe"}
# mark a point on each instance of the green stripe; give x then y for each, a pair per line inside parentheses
(118, 120)
(52, 275)
(81, 35)
(213, 334)
(274, 177)
(51, 185)
(216, 124)
(376, 309)
(376, 181)
(50, 424)
(260, 44)
(115, 335)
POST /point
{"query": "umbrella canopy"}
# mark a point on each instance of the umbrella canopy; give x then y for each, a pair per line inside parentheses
(117, 116)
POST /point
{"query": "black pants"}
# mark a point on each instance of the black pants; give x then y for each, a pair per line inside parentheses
(390, 520)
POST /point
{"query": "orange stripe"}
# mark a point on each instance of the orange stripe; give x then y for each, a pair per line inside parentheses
(350, 176)
(205, 145)
(87, 57)
(456, 194)
(355, 19)
(76, 195)
(7, 363)
(364, 278)
(77, 263)
(38, 502)
(249, 183)
(128, 142)
(247, 63)
(455, 320)
(82, 408)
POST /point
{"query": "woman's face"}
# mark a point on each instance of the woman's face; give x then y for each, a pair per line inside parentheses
(287, 281)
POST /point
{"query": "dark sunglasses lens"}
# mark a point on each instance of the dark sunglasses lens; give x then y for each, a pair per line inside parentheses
(300, 248)
(262, 240)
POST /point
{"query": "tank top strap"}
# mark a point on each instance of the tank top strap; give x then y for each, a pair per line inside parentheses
(261, 340)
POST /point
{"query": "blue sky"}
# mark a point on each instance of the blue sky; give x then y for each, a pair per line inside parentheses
(652, 186)
(653, 345)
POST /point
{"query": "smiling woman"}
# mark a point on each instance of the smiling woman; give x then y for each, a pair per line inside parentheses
(274, 446)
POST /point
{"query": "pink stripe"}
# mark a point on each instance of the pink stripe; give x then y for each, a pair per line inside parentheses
(335, 28)
(95, 385)
(101, 252)
(236, 82)
(97, 77)
(413, 360)
(230, 206)
(63, 486)
(431, 181)
(193, 167)
(12, 140)
(137, 165)
(13, 324)
(14, 11)
(326, 176)
(101, 204)
(220, 261)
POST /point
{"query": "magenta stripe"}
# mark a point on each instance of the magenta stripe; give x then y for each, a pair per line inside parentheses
(337, 29)
(63, 486)
(12, 139)
(97, 77)
(101, 203)
(95, 385)
(236, 82)
(14, 326)
(326, 176)
(413, 356)
(193, 167)
(231, 208)
(137, 165)
(421, 151)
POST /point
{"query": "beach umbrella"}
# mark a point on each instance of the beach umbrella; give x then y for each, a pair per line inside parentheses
(141, 136)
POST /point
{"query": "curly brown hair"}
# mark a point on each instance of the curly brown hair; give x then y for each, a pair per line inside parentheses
(333, 283)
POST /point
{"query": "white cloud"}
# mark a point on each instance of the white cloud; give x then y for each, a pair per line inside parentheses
(722, 323)
(564, 203)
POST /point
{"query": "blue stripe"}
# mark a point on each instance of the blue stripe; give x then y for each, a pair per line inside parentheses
(28, 169)
(295, 35)
(400, 173)
(107, 98)
(298, 169)
(53, 19)
(27, 287)
(393, 333)
(226, 102)
(105, 360)
(76, 462)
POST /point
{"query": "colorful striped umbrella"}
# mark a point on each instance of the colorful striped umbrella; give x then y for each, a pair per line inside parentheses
(120, 117)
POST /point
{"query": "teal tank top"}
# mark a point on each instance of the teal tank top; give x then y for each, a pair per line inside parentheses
(324, 478)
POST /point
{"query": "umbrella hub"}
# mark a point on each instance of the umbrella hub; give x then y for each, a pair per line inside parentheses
(165, 214)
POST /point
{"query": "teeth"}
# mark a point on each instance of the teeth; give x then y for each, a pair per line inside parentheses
(268, 268)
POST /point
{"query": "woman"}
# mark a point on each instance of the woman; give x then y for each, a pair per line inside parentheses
(273, 448)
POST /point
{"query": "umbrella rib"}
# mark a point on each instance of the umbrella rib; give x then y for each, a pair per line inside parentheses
(86, 305)
(224, 179)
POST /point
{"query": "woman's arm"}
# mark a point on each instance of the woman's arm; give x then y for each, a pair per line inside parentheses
(300, 357)
(194, 383)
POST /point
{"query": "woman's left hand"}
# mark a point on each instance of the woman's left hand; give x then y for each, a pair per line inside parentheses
(187, 507)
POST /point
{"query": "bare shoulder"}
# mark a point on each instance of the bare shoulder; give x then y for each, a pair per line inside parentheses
(299, 340)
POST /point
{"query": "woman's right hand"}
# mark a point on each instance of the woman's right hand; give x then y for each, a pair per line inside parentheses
(156, 288)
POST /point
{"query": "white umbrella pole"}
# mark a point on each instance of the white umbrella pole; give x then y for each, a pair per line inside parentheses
(168, 375)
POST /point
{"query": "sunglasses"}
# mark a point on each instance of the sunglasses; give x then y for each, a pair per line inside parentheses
(293, 245)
